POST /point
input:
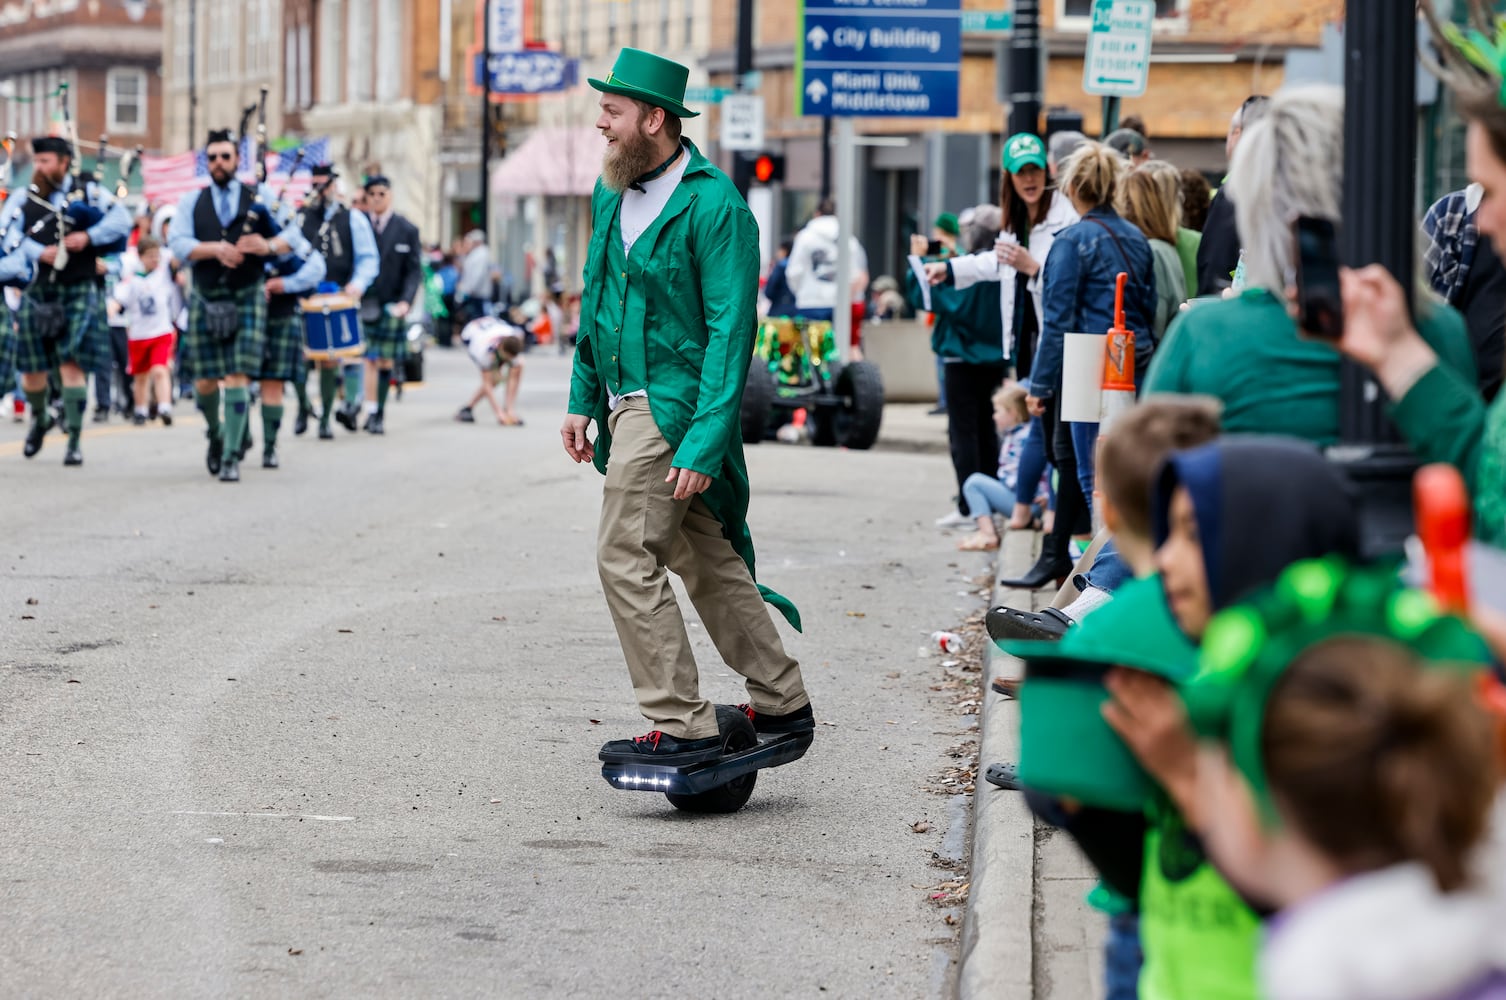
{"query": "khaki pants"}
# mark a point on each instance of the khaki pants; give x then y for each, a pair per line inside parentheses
(644, 533)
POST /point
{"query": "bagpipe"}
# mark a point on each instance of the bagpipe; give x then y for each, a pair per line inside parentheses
(261, 219)
(82, 210)
(282, 267)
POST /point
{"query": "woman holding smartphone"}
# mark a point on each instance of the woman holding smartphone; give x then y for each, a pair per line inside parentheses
(1033, 213)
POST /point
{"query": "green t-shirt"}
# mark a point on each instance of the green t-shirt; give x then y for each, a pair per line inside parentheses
(1247, 353)
(1188, 241)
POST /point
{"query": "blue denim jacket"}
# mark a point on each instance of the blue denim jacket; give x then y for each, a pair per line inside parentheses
(1078, 294)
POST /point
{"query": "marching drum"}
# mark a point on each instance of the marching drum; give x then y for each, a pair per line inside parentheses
(332, 327)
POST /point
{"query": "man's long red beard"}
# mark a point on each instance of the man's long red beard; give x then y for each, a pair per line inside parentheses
(628, 159)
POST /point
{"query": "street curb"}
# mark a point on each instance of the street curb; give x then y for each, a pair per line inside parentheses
(998, 951)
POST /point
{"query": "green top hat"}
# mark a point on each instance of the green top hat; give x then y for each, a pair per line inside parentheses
(1247, 648)
(649, 78)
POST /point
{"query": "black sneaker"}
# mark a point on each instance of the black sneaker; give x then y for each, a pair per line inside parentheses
(801, 720)
(138, 419)
(231, 471)
(40, 425)
(269, 459)
(660, 748)
(377, 424)
(101, 414)
(73, 457)
(216, 452)
(301, 422)
(325, 433)
(166, 416)
(465, 416)
(346, 416)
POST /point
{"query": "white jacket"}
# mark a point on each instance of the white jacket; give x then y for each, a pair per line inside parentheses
(985, 266)
(812, 268)
(1391, 935)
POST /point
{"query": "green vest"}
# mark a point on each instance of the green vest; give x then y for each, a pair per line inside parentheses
(1199, 938)
(620, 311)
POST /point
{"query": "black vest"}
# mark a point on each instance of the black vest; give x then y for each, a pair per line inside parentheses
(211, 274)
(333, 241)
(285, 305)
(41, 224)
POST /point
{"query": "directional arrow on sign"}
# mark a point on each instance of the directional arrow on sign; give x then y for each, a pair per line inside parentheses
(815, 90)
(817, 36)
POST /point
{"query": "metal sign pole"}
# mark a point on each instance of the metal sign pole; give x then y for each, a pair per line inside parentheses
(847, 181)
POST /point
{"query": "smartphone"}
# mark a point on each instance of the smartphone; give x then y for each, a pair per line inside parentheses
(1320, 307)
(933, 248)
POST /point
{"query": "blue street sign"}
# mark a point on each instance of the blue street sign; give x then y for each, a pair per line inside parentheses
(531, 71)
(879, 58)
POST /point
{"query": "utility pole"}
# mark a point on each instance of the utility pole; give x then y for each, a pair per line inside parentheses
(742, 167)
(1025, 69)
(825, 157)
(1380, 147)
(486, 121)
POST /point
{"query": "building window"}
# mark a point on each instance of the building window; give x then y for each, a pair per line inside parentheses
(664, 25)
(611, 26)
(358, 56)
(331, 32)
(125, 101)
(1077, 15)
(390, 35)
(690, 24)
(584, 49)
(306, 65)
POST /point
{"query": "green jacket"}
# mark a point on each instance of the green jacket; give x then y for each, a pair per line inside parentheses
(968, 325)
(697, 266)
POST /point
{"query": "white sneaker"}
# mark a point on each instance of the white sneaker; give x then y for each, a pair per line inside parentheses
(954, 521)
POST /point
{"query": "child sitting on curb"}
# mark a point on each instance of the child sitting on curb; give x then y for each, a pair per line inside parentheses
(494, 345)
(989, 495)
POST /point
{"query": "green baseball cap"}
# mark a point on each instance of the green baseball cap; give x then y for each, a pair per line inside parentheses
(947, 223)
(1023, 150)
(1066, 748)
(1247, 648)
(649, 78)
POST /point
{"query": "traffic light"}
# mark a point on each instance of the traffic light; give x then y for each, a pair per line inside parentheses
(768, 168)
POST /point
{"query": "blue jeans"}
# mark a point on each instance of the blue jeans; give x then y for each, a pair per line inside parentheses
(1084, 442)
(1122, 957)
(1032, 460)
(1108, 571)
(986, 495)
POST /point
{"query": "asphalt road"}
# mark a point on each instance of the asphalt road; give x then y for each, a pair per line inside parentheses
(332, 731)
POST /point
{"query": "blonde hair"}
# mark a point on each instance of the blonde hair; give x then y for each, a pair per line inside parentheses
(1091, 174)
(1142, 201)
(1288, 164)
(1010, 397)
(1169, 179)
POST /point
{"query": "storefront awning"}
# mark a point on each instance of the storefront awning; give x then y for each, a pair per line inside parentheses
(551, 161)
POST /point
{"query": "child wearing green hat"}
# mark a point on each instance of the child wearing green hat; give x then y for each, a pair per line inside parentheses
(1359, 795)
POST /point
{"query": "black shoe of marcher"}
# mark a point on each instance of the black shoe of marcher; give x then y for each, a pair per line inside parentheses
(465, 416)
(346, 415)
(73, 457)
(35, 434)
(369, 422)
(1011, 623)
(101, 414)
(325, 433)
(166, 416)
(660, 748)
(1003, 775)
(377, 424)
(801, 720)
(269, 459)
(230, 472)
(213, 460)
(1045, 572)
(301, 422)
(139, 419)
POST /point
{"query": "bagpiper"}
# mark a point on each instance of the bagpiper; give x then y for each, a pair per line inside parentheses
(225, 232)
(345, 240)
(289, 278)
(57, 325)
(390, 297)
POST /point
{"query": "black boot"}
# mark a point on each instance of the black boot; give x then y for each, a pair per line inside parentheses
(36, 433)
(230, 472)
(73, 457)
(216, 452)
(1049, 569)
(346, 416)
(325, 433)
(269, 459)
(301, 422)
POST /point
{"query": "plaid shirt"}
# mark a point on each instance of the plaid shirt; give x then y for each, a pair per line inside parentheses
(1450, 229)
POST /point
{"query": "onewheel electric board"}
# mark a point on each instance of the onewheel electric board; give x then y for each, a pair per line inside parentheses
(723, 785)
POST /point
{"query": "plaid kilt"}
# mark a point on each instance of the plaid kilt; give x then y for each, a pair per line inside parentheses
(282, 353)
(7, 350)
(208, 358)
(83, 341)
(387, 338)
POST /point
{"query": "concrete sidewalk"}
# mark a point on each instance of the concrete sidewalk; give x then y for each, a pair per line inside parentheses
(1028, 934)
(910, 427)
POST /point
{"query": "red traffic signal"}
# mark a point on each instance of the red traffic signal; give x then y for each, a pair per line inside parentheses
(768, 168)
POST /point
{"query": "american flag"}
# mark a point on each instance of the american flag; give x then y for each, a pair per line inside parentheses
(169, 178)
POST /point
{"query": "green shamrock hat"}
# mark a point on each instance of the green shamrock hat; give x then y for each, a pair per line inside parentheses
(1066, 747)
(1247, 648)
(649, 78)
